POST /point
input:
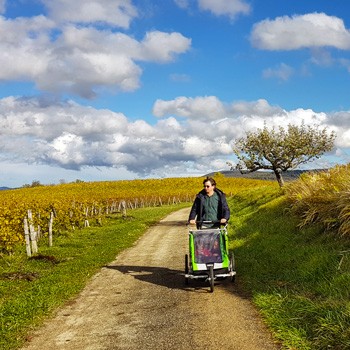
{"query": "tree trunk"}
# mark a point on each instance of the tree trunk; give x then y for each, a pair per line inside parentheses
(279, 177)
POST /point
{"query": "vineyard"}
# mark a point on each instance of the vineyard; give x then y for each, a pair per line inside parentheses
(58, 208)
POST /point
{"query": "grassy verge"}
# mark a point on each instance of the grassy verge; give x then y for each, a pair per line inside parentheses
(295, 277)
(31, 289)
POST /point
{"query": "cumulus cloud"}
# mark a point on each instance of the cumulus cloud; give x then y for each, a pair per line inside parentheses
(81, 60)
(71, 136)
(24, 45)
(205, 108)
(210, 108)
(182, 3)
(282, 72)
(288, 33)
(162, 47)
(231, 8)
(182, 78)
(83, 47)
(116, 13)
(321, 57)
(255, 108)
(345, 63)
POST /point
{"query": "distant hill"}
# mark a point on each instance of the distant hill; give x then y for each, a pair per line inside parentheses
(4, 188)
(263, 175)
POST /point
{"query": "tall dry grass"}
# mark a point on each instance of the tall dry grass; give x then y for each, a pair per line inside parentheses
(323, 197)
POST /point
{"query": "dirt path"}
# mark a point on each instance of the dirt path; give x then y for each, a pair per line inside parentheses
(140, 301)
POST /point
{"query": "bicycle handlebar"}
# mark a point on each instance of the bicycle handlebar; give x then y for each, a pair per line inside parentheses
(203, 222)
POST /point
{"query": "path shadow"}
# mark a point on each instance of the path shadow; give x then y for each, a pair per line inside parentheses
(181, 223)
(161, 276)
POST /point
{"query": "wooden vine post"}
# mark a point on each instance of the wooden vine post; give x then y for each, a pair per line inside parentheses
(122, 208)
(33, 234)
(50, 229)
(27, 238)
(86, 222)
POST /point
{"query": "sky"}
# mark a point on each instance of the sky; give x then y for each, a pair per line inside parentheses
(99, 90)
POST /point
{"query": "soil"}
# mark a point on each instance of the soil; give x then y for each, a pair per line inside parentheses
(141, 301)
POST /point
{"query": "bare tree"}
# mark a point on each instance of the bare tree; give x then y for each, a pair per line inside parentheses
(282, 149)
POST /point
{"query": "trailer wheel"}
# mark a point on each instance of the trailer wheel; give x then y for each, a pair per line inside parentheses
(186, 268)
(232, 266)
(211, 278)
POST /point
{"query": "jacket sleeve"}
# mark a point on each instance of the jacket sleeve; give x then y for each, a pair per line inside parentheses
(193, 212)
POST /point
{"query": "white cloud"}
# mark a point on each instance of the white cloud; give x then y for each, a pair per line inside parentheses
(162, 47)
(181, 78)
(321, 57)
(255, 108)
(196, 146)
(80, 60)
(345, 63)
(210, 108)
(231, 8)
(24, 44)
(199, 146)
(182, 3)
(289, 33)
(205, 108)
(118, 13)
(73, 137)
(282, 72)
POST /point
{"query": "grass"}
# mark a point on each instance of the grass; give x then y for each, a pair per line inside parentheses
(293, 275)
(31, 289)
(323, 197)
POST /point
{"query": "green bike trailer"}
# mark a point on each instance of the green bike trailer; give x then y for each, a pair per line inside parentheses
(209, 258)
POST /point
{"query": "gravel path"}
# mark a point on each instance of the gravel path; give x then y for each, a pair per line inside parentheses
(140, 301)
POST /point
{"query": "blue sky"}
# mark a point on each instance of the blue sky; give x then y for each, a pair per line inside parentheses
(121, 89)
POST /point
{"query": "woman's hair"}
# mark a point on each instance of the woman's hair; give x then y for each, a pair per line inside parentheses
(211, 180)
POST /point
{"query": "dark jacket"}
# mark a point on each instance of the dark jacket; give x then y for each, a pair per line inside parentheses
(197, 207)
